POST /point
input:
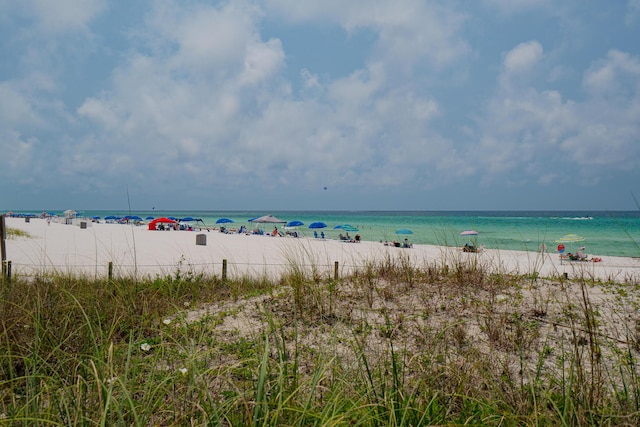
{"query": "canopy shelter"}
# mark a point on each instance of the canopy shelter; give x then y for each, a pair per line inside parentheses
(153, 224)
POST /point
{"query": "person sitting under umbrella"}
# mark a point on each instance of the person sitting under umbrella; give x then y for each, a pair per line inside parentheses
(580, 255)
(468, 247)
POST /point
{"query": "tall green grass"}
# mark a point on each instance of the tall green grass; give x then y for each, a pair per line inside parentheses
(392, 345)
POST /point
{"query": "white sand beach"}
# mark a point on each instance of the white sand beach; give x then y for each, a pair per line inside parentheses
(135, 250)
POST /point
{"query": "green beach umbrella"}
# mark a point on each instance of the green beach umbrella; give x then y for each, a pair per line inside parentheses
(570, 238)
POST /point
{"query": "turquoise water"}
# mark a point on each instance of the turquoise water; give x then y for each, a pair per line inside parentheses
(605, 233)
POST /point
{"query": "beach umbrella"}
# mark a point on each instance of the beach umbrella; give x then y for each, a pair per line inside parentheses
(224, 221)
(173, 218)
(570, 238)
(95, 217)
(469, 233)
(133, 217)
(350, 228)
(108, 217)
(268, 219)
(164, 220)
(149, 218)
(317, 225)
(404, 231)
(187, 219)
(337, 227)
(295, 223)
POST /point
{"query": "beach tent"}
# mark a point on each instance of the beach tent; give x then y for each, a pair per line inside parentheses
(155, 222)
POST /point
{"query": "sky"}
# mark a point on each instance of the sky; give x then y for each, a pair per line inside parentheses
(320, 105)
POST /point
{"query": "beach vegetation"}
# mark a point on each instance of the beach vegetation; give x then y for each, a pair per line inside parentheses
(13, 233)
(391, 343)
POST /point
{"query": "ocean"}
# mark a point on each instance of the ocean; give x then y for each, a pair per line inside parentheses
(605, 233)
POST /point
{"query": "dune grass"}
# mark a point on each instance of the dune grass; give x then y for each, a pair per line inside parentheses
(14, 232)
(391, 345)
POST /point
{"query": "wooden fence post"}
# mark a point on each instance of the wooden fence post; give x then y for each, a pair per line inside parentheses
(8, 271)
(3, 236)
(110, 270)
(335, 271)
(224, 270)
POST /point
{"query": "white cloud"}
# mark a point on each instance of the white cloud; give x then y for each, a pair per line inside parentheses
(15, 107)
(407, 30)
(615, 73)
(523, 57)
(56, 16)
(17, 162)
(261, 62)
(537, 132)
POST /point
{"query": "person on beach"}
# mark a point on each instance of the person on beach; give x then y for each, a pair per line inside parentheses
(580, 255)
(275, 231)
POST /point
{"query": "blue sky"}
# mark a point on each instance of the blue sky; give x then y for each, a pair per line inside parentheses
(320, 105)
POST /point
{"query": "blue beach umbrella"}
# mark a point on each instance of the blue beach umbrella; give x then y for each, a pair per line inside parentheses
(404, 231)
(110, 217)
(95, 217)
(133, 217)
(295, 223)
(149, 218)
(187, 219)
(318, 225)
(224, 221)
